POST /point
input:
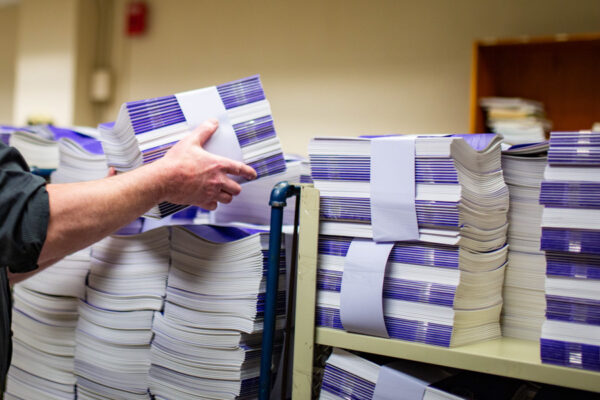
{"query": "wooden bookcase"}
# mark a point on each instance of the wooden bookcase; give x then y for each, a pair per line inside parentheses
(562, 71)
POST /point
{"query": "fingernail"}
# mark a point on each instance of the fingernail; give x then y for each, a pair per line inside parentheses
(214, 121)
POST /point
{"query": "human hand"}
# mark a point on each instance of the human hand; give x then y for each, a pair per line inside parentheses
(193, 176)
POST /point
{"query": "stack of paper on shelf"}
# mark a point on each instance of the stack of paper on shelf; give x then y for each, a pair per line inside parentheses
(518, 120)
(252, 204)
(461, 198)
(207, 342)
(435, 294)
(524, 299)
(570, 237)
(79, 160)
(125, 287)
(39, 144)
(348, 376)
(146, 129)
(444, 286)
(43, 324)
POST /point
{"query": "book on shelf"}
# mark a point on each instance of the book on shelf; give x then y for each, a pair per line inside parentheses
(347, 375)
(146, 129)
(518, 120)
(460, 199)
(570, 196)
(441, 287)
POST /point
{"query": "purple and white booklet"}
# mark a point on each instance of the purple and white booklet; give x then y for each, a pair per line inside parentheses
(570, 195)
(146, 129)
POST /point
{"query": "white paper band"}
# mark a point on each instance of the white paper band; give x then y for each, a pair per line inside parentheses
(361, 300)
(395, 385)
(393, 211)
(202, 104)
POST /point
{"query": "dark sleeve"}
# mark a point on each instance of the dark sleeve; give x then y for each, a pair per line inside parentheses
(24, 212)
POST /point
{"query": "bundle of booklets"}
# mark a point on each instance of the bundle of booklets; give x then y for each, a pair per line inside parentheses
(39, 144)
(443, 287)
(44, 318)
(146, 129)
(524, 307)
(570, 195)
(517, 120)
(79, 160)
(125, 287)
(207, 341)
(349, 376)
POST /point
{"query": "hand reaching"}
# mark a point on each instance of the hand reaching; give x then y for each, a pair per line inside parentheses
(191, 175)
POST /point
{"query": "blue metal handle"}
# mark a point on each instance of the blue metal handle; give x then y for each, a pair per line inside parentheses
(279, 194)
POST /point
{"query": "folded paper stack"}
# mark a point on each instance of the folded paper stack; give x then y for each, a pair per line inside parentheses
(207, 342)
(524, 307)
(146, 129)
(39, 144)
(80, 159)
(570, 195)
(442, 286)
(44, 318)
(348, 376)
(126, 285)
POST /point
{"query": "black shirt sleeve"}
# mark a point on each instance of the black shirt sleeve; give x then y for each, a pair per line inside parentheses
(24, 212)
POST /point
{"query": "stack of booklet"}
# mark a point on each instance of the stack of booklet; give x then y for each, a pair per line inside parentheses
(444, 286)
(570, 195)
(43, 323)
(146, 129)
(524, 306)
(207, 342)
(460, 195)
(125, 287)
(39, 144)
(348, 376)
(79, 160)
(518, 120)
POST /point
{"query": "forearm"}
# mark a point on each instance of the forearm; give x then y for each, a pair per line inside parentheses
(85, 212)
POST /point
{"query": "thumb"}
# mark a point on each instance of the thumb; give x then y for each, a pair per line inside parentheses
(205, 130)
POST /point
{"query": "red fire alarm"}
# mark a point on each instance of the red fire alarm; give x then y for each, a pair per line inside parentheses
(137, 13)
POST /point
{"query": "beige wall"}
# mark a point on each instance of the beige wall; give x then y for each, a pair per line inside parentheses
(8, 45)
(329, 67)
(333, 67)
(46, 61)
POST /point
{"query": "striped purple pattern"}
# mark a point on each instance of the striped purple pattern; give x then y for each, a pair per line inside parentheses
(352, 209)
(358, 169)
(570, 354)
(434, 255)
(150, 114)
(394, 288)
(398, 328)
